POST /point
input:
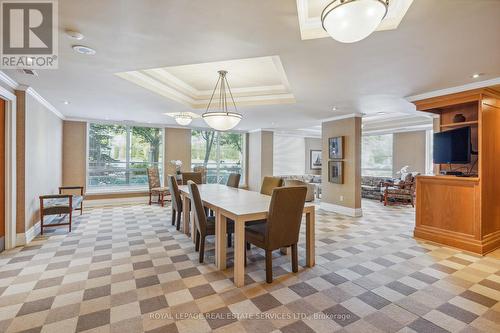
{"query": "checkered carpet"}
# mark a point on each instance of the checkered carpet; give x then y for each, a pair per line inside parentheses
(125, 269)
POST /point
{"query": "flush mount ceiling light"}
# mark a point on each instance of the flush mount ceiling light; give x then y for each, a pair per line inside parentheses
(84, 50)
(350, 21)
(183, 118)
(222, 119)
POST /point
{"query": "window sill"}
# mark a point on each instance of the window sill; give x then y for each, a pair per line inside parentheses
(117, 190)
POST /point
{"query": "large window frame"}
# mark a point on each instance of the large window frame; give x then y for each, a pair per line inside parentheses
(215, 173)
(378, 172)
(128, 161)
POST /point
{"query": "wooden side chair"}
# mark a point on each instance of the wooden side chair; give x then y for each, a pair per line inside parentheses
(195, 177)
(60, 204)
(155, 187)
(233, 180)
(204, 225)
(176, 201)
(282, 227)
(269, 184)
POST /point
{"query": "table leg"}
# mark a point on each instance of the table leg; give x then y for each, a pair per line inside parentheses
(310, 238)
(239, 253)
(220, 240)
(193, 229)
(185, 214)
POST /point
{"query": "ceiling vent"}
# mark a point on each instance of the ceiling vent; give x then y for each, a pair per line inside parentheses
(31, 72)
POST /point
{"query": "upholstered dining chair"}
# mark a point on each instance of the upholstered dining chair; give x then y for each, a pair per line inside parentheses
(155, 187)
(269, 184)
(233, 180)
(282, 227)
(195, 177)
(204, 225)
(176, 201)
(201, 169)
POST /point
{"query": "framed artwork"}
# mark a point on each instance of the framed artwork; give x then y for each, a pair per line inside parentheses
(315, 161)
(336, 172)
(336, 148)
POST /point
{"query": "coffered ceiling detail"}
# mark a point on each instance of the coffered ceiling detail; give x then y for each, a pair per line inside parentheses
(253, 81)
(309, 12)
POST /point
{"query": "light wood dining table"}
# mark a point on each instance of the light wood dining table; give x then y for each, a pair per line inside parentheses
(240, 206)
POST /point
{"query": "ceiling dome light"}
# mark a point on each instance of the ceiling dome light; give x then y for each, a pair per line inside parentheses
(84, 50)
(349, 21)
(183, 119)
(222, 120)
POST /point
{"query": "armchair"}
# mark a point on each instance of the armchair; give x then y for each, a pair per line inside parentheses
(404, 190)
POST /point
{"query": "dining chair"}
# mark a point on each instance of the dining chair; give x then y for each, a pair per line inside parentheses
(282, 226)
(195, 177)
(233, 180)
(270, 183)
(155, 187)
(201, 169)
(176, 201)
(204, 225)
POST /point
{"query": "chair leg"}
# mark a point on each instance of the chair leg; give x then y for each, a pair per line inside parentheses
(385, 199)
(70, 218)
(295, 259)
(248, 246)
(202, 248)
(412, 203)
(162, 200)
(150, 198)
(81, 208)
(41, 223)
(173, 216)
(269, 266)
(229, 240)
(178, 227)
(197, 241)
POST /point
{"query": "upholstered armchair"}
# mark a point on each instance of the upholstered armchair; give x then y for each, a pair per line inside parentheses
(403, 190)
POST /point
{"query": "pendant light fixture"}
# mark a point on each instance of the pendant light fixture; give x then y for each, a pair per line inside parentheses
(222, 119)
(349, 21)
(183, 118)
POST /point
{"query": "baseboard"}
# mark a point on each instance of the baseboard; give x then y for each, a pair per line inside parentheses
(28, 236)
(114, 202)
(353, 212)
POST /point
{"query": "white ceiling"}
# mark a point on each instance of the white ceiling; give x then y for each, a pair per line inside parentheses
(438, 44)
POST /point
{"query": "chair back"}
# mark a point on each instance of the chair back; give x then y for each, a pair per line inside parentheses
(153, 178)
(269, 184)
(285, 216)
(195, 177)
(203, 171)
(174, 192)
(233, 180)
(200, 218)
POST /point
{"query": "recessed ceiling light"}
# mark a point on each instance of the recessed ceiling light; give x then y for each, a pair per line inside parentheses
(84, 50)
(476, 75)
(66, 102)
(74, 34)
(381, 113)
(334, 108)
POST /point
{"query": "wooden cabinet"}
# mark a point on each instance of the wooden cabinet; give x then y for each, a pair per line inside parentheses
(456, 211)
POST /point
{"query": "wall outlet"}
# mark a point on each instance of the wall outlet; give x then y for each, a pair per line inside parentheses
(341, 198)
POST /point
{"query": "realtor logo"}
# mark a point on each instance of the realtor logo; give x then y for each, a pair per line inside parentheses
(29, 34)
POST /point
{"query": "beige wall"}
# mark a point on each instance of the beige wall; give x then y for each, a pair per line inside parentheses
(260, 158)
(177, 147)
(409, 149)
(343, 197)
(314, 144)
(43, 151)
(74, 171)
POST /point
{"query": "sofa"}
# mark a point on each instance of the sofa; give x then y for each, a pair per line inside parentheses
(371, 187)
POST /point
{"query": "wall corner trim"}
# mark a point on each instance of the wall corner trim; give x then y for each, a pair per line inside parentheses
(32, 92)
(353, 212)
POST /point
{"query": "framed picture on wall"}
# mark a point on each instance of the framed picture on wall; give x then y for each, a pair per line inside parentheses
(315, 161)
(336, 172)
(336, 148)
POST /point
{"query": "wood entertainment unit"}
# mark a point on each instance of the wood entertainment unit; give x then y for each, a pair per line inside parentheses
(464, 212)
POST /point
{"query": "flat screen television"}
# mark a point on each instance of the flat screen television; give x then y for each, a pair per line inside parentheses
(453, 147)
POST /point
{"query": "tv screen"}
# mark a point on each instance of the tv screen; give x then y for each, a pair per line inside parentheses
(453, 146)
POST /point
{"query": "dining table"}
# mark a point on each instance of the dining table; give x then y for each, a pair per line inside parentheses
(241, 206)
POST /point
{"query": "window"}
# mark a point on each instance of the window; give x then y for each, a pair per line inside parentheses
(377, 155)
(119, 155)
(221, 153)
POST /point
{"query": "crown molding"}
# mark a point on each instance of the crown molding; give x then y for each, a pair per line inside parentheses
(454, 90)
(345, 116)
(32, 92)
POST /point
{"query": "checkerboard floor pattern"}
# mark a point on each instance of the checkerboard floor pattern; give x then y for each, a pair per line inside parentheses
(126, 269)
